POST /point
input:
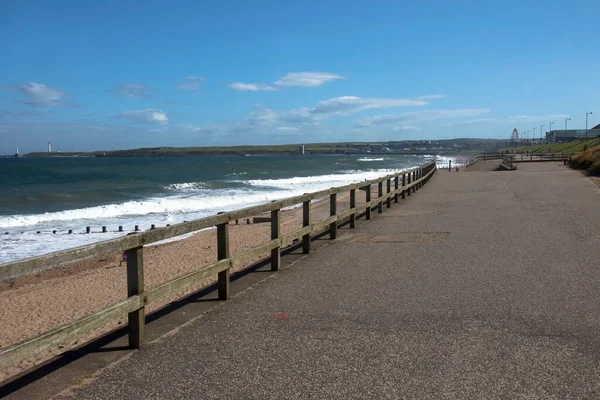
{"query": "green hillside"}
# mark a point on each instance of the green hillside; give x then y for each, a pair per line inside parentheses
(567, 148)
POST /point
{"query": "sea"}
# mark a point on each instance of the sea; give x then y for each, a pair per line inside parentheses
(41, 199)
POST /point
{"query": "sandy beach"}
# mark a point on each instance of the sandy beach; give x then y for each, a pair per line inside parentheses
(32, 305)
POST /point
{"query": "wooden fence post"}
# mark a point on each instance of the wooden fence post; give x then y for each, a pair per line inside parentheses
(403, 186)
(409, 190)
(275, 234)
(222, 254)
(379, 197)
(388, 203)
(414, 178)
(135, 287)
(305, 223)
(368, 200)
(352, 205)
(396, 189)
(332, 212)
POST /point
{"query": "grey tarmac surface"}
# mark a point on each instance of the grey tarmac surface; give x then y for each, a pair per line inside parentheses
(483, 285)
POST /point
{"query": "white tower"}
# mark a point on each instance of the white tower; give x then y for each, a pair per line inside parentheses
(49, 148)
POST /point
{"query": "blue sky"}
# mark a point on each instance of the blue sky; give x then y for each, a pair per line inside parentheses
(87, 75)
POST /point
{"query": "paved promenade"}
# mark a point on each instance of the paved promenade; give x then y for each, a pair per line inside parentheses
(483, 285)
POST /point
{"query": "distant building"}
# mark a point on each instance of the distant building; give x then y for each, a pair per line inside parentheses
(301, 150)
(572, 135)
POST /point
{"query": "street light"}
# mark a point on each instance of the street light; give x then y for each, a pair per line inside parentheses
(553, 139)
(566, 119)
(533, 136)
(541, 131)
(586, 119)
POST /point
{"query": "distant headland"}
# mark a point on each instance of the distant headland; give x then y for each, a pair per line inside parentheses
(415, 147)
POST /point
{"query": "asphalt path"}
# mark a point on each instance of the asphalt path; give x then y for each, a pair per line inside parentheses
(483, 285)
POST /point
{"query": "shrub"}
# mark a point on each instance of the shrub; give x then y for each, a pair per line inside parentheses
(586, 159)
(594, 169)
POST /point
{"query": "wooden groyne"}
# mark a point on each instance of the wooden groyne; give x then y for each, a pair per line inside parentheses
(136, 228)
(390, 188)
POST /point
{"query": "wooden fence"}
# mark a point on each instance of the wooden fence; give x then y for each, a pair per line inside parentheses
(516, 158)
(404, 184)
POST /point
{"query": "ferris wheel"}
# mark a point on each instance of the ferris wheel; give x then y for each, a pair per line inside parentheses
(515, 135)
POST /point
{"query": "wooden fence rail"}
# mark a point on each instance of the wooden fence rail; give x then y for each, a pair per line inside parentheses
(530, 157)
(138, 296)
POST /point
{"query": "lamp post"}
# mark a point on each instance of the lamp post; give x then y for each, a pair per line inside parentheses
(586, 120)
(566, 119)
(553, 138)
(541, 131)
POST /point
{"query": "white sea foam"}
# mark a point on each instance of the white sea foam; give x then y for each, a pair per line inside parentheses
(367, 159)
(187, 185)
(187, 201)
(442, 161)
(202, 200)
(300, 185)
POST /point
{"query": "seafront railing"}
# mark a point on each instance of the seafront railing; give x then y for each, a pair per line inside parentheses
(529, 157)
(138, 297)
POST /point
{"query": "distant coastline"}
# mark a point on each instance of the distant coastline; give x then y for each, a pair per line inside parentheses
(423, 147)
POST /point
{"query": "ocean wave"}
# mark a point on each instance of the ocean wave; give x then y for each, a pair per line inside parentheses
(209, 202)
(367, 159)
(442, 161)
(320, 182)
(201, 202)
(186, 186)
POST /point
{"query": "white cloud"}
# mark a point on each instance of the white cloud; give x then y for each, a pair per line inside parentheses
(515, 119)
(307, 79)
(146, 116)
(535, 118)
(132, 90)
(40, 95)
(192, 82)
(190, 127)
(23, 114)
(406, 128)
(293, 79)
(287, 129)
(425, 115)
(432, 97)
(325, 109)
(251, 87)
(346, 105)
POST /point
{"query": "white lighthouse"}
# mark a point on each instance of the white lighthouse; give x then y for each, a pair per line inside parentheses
(49, 148)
